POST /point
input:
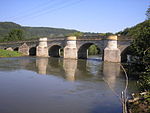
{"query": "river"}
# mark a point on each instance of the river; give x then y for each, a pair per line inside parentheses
(56, 85)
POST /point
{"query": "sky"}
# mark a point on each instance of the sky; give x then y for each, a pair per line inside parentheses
(84, 15)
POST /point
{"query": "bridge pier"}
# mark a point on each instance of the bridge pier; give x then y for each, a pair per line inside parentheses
(41, 64)
(24, 49)
(70, 66)
(110, 73)
(111, 52)
(42, 49)
(70, 50)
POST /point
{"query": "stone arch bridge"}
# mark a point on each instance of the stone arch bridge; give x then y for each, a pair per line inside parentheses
(75, 48)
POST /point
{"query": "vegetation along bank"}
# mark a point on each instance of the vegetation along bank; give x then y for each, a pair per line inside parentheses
(7, 53)
(139, 66)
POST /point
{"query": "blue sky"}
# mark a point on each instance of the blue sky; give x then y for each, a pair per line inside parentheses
(84, 15)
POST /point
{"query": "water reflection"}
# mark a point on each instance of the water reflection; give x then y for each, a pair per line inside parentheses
(54, 93)
(70, 69)
(70, 66)
(111, 71)
(41, 64)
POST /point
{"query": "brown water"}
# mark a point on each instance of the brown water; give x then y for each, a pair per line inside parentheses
(55, 85)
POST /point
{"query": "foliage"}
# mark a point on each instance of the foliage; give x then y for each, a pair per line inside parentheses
(91, 34)
(141, 49)
(148, 13)
(33, 32)
(7, 53)
(132, 32)
(144, 81)
(106, 34)
(38, 32)
(141, 43)
(77, 34)
(124, 32)
(6, 27)
(15, 35)
(93, 50)
(141, 46)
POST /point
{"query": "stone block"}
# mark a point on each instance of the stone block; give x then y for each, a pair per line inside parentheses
(41, 64)
(112, 55)
(9, 49)
(24, 49)
(42, 51)
(70, 53)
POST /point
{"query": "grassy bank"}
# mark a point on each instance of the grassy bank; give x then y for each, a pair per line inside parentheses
(7, 53)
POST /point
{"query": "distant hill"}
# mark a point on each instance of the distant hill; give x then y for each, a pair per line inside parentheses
(33, 32)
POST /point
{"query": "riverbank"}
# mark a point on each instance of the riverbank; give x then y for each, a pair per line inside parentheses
(7, 53)
(140, 103)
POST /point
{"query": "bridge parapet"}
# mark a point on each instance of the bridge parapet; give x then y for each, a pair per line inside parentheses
(91, 38)
(56, 39)
(18, 42)
(120, 38)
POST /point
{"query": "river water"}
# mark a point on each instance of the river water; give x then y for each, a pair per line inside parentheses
(56, 85)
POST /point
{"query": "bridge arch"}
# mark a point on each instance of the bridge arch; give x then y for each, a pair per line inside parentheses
(32, 51)
(54, 51)
(83, 50)
(16, 48)
(125, 53)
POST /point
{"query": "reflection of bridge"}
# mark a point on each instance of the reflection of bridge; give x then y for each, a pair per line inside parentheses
(110, 47)
(69, 69)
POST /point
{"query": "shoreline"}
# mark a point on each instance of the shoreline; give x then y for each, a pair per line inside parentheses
(8, 53)
(140, 103)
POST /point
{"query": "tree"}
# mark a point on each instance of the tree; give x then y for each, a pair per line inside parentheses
(77, 34)
(15, 35)
(141, 49)
(148, 13)
(141, 42)
(93, 50)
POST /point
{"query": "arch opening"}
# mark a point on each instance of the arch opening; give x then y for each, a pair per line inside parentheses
(89, 50)
(16, 49)
(32, 51)
(126, 54)
(55, 51)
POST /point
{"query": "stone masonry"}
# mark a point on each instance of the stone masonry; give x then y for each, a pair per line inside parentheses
(111, 52)
(42, 49)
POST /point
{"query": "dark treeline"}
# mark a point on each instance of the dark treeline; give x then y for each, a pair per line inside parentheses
(7, 28)
(140, 52)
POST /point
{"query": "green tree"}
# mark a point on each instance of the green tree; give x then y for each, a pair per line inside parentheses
(141, 49)
(15, 35)
(93, 50)
(141, 42)
(77, 34)
(148, 13)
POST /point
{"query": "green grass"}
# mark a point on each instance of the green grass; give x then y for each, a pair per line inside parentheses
(7, 53)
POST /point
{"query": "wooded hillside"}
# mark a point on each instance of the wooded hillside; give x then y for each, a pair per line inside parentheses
(33, 32)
